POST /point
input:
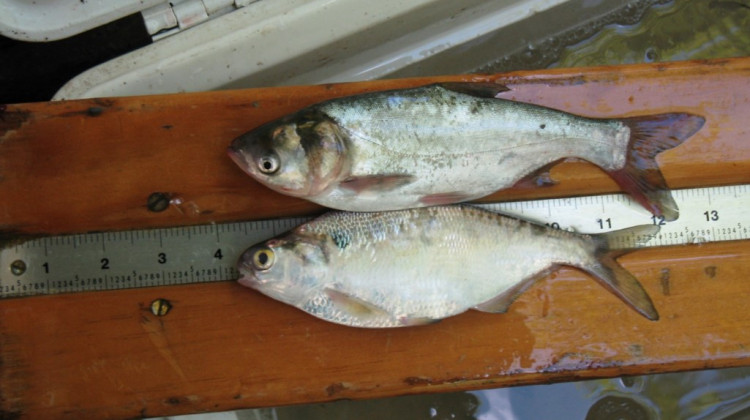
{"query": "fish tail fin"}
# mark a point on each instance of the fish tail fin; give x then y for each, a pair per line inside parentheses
(613, 276)
(641, 177)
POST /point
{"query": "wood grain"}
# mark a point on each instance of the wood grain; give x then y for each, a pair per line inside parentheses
(90, 165)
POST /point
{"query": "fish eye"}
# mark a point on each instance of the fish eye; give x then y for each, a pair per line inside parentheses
(268, 164)
(263, 259)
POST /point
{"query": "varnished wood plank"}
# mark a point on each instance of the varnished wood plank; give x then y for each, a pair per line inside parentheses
(90, 165)
(221, 347)
(86, 165)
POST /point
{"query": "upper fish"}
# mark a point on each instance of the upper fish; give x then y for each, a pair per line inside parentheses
(447, 143)
(417, 266)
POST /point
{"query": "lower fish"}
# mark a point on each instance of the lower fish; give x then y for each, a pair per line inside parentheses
(448, 143)
(417, 266)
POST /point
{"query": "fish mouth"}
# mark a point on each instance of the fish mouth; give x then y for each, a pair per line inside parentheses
(248, 280)
(239, 158)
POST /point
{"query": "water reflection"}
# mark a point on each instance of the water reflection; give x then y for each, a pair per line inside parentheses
(702, 395)
(458, 406)
(643, 31)
(679, 30)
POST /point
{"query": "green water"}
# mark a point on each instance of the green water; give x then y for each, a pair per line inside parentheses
(679, 30)
(643, 31)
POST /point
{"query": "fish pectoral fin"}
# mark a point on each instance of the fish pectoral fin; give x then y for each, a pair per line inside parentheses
(539, 177)
(355, 306)
(376, 183)
(366, 311)
(500, 303)
(478, 89)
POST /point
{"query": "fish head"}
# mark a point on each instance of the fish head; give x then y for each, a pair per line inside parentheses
(288, 269)
(300, 155)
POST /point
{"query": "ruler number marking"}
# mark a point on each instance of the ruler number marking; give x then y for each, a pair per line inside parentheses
(711, 215)
(604, 223)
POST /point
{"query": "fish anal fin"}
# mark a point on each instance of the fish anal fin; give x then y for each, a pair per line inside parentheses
(500, 303)
(641, 176)
(445, 198)
(540, 177)
(376, 183)
(478, 89)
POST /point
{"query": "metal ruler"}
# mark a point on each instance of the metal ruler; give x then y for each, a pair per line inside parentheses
(158, 257)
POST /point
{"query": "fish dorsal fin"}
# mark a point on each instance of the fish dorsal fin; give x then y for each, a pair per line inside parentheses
(354, 306)
(478, 89)
(500, 303)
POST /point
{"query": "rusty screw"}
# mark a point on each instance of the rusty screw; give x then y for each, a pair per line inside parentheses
(157, 202)
(160, 307)
(18, 267)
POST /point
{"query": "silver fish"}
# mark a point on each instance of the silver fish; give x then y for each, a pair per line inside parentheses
(447, 143)
(416, 266)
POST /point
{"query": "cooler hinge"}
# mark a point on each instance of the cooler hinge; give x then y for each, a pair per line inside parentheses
(174, 16)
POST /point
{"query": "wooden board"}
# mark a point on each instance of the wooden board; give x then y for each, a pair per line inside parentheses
(90, 165)
(77, 166)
